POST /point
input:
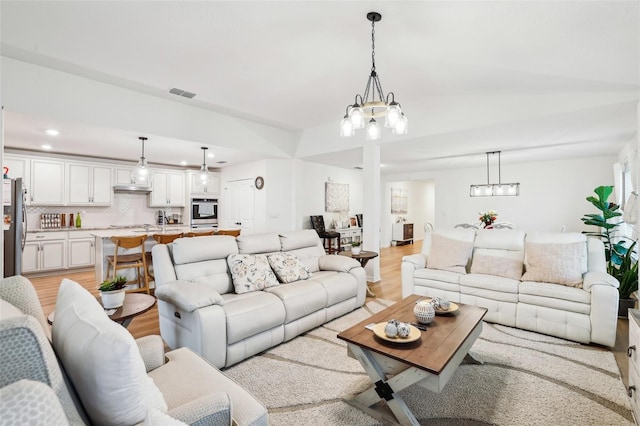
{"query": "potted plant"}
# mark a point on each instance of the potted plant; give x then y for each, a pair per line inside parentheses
(355, 247)
(112, 292)
(622, 264)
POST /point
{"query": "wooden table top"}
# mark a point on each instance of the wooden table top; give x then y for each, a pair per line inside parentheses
(134, 304)
(436, 346)
(362, 255)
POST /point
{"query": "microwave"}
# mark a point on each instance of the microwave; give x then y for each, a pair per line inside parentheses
(204, 211)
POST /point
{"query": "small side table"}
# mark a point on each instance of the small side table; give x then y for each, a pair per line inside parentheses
(134, 304)
(363, 257)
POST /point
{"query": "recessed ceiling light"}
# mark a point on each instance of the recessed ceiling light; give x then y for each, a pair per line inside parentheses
(183, 163)
(52, 132)
(46, 146)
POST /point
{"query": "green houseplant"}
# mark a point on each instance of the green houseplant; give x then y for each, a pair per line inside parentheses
(112, 292)
(355, 247)
(621, 261)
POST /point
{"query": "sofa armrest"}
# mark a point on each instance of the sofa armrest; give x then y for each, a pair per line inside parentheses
(212, 409)
(592, 278)
(331, 262)
(152, 351)
(418, 259)
(188, 296)
(44, 405)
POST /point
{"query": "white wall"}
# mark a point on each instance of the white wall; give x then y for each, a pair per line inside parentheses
(552, 193)
(309, 184)
(420, 209)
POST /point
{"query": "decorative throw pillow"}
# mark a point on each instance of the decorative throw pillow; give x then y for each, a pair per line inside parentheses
(555, 263)
(496, 265)
(449, 254)
(250, 272)
(102, 360)
(288, 267)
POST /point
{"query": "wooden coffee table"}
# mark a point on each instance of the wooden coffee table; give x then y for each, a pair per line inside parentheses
(428, 362)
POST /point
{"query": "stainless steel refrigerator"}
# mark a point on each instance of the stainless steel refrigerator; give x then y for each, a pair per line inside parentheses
(15, 225)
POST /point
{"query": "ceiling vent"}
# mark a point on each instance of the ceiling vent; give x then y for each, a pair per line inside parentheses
(221, 162)
(181, 92)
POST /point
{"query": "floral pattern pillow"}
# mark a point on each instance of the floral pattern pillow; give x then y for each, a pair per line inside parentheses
(288, 267)
(250, 272)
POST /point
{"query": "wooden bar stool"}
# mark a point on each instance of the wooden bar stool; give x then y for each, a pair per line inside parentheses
(160, 239)
(128, 260)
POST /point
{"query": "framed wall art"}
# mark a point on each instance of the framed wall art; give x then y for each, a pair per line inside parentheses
(336, 196)
(399, 201)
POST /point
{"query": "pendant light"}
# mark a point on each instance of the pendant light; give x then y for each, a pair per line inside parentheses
(495, 189)
(140, 174)
(373, 104)
(204, 170)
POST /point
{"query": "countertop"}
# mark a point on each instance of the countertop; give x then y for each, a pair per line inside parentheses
(152, 228)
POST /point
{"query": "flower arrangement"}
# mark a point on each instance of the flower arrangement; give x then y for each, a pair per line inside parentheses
(487, 218)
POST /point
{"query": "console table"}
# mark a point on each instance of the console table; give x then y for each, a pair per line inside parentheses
(348, 235)
(402, 233)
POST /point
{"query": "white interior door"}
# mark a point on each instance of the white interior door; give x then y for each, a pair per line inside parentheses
(240, 205)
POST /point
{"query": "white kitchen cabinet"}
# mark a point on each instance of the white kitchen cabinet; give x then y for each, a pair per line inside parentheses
(81, 249)
(168, 189)
(88, 185)
(45, 251)
(123, 175)
(47, 183)
(209, 188)
(19, 167)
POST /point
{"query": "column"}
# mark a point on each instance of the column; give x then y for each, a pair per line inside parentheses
(371, 207)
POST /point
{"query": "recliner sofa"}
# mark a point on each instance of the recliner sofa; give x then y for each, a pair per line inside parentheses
(550, 283)
(200, 308)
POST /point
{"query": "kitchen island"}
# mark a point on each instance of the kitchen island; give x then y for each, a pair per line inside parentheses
(105, 247)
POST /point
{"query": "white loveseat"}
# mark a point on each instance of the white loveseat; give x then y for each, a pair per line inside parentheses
(551, 283)
(200, 309)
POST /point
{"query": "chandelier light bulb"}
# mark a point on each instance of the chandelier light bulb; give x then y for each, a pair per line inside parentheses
(373, 130)
(393, 115)
(346, 127)
(357, 117)
(400, 126)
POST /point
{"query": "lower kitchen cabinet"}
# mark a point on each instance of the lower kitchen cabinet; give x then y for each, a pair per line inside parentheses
(81, 249)
(45, 251)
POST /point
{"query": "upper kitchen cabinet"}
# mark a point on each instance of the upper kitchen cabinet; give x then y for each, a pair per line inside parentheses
(123, 175)
(208, 188)
(168, 189)
(47, 183)
(89, 185)
(19, 167)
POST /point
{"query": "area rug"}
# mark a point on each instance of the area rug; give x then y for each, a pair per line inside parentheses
(525, 379)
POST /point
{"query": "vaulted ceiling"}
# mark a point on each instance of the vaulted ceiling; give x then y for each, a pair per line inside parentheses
(533, 79)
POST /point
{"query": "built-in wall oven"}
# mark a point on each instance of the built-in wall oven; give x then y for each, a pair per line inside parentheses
(204, 213)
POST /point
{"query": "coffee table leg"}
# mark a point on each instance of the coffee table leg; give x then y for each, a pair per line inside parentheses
(386, 389)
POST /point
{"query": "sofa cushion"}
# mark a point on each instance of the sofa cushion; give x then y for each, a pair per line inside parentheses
(339, 286)
(251, 272)
(190, 250)
(554, 291)
(300, 298)
(555, 263)
(102, 360)
(558, 238)
(258, 243)
(251, 313)
(437, 275)
(490, 282)
(500, 266)
(299, 239)
(287, 267)
(449, 254)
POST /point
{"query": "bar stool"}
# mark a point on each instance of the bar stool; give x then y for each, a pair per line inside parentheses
(126, 260)
(318, 224)
(232, 232)
(201, 234)
(160, 239)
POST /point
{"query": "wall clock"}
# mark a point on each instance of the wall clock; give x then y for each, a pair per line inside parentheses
(259, 182)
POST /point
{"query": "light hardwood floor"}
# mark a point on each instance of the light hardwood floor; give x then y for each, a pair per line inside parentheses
(389, 288)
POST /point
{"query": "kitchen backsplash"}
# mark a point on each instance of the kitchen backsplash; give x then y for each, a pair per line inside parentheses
(126, 209)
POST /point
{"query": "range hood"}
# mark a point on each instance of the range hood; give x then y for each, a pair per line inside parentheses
(132, 188)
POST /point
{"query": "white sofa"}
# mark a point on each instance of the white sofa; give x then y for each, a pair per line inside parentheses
(564, 291)
(200, 309)
(89, 370)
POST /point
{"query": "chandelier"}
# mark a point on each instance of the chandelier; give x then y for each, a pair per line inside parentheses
(373, 104)
(140, 173)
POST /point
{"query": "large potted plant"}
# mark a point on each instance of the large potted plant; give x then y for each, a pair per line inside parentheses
(112, 292)
(622, 263)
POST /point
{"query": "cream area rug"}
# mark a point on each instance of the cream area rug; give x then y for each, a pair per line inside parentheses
(525, 379)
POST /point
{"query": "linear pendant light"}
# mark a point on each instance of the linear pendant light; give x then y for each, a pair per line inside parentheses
(494, 189)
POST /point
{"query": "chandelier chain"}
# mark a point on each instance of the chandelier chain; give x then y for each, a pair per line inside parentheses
(373, 47)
